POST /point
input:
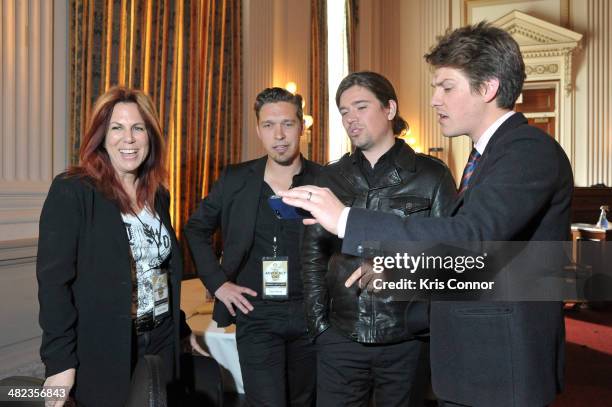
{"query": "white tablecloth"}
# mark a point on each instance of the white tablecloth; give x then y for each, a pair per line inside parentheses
(221, 343)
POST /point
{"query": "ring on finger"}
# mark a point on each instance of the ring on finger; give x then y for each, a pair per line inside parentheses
(309, 196)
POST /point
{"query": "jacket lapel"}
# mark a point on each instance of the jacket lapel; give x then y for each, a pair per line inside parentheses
(351, 173)
(517, 119)
(176, 264)
(114, 228)
(163, 211)
(246, 200)
(405, 163)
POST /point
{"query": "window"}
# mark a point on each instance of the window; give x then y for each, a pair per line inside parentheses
(337, 62)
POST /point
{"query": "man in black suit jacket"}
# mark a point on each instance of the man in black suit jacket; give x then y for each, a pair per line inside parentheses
(261, 259)
(517, 186)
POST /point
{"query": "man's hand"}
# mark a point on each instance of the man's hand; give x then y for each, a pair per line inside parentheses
(62, 379)
(320, 202)
(364, 275)
(231, 295)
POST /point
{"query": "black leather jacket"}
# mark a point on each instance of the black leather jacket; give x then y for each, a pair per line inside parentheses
(415, 185)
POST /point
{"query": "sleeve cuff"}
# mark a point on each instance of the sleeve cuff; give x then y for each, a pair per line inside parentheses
(57, 366)
(213, 281)
(342, 222)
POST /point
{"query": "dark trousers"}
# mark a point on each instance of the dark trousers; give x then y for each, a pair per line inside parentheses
(349, 373)
(277, 359)
(158, 341)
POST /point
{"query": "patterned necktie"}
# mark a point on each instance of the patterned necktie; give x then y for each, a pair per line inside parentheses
(469, 170)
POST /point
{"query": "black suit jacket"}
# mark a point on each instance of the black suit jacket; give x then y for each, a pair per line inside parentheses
(232, 205)
(502, 354)
(85, 289)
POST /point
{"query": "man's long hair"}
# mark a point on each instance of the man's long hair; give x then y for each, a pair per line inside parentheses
(380, 87)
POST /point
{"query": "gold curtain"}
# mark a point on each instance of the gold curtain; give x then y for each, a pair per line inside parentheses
(352, 22)
(318, 80)
(186, 55)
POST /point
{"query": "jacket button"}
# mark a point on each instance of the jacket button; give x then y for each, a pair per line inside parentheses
(360, 249)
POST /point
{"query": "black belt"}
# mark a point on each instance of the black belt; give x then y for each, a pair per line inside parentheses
(148, 322)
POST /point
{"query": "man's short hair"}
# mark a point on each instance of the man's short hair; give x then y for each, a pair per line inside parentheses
(380, 87)
(275, 95)
(483, 52)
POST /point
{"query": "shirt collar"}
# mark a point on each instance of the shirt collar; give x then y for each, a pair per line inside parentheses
(482, 142)
(362, 160)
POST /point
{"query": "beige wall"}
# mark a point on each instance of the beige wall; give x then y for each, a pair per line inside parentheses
(394, 34)
(33, 135)
(33, 108)
(592, 91)
(276, 51)
(422, 20)
(593, 19)
(393, 37)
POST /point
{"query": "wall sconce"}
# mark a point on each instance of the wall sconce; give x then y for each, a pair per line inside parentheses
(308, 121)
(291, 87)
(407, 136)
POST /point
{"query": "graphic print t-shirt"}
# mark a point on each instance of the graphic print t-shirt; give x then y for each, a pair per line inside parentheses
(150, 247)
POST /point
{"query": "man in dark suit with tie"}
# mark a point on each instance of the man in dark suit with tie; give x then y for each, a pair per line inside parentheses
(261, 259)
(517, 186)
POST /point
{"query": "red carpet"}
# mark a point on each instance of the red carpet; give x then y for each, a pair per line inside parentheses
(588, 374)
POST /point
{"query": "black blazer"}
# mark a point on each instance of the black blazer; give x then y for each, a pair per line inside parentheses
(85, 289)
(232, 205)
(502, 354)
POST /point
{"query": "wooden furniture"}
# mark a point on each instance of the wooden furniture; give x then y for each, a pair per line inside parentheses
(587, 231)
(589, 259)
(587, 201)
(539, 106)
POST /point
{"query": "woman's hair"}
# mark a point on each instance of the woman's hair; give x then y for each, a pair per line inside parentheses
(95, 163)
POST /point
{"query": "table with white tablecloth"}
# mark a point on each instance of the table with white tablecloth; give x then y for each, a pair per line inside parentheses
(221, 344)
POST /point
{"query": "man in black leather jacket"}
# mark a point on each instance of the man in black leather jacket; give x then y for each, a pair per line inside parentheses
(366, 342)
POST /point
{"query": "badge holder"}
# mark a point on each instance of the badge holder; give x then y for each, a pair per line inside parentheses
(160, 293)
(275, 276)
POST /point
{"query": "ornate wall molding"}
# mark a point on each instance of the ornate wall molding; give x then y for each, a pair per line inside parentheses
(541, 69)
(547, 50)
(516, 29)
(541, 39)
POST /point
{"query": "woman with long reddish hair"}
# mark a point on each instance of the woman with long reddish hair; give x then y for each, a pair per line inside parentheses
(109, 266)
